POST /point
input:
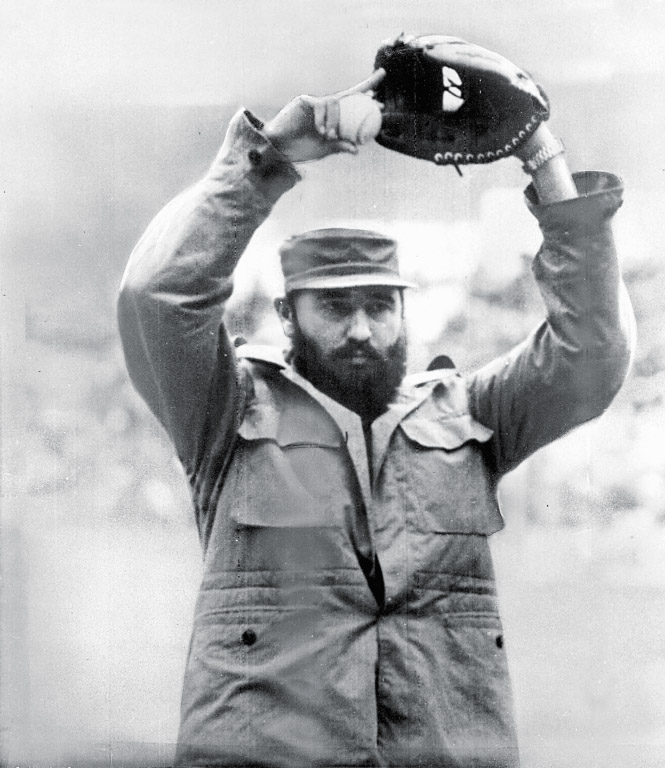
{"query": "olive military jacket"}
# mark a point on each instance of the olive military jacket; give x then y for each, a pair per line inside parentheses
(347, 614)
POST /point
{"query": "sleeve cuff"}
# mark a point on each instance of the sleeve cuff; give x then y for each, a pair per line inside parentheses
(600, 195)
(248, 149)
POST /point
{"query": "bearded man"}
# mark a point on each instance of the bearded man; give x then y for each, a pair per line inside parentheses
(347, 614)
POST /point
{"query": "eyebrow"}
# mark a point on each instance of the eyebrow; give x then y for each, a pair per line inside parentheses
(346, 294)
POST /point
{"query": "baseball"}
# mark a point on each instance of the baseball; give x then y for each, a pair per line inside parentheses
(359, 118)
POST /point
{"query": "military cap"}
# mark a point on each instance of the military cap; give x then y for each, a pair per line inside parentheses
(340, 258)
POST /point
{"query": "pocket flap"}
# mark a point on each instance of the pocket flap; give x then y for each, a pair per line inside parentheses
(297, 427)
(267, 491)
(288, 471)
(449, 433)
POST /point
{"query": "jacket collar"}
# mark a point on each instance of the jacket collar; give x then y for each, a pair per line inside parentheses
(412, 392)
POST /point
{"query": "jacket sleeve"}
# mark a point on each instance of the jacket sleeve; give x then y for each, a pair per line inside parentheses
(178, 278)
(571, 367)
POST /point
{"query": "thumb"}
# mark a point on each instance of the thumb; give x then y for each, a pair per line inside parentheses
(346, 146)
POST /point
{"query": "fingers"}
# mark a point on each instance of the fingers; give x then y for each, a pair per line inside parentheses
(326, 117)
(326, 108)
(326, 120)
(332, 118)
(346, 146)
(320, 115)
(369, 84)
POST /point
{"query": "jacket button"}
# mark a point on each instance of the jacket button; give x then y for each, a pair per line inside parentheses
(254, 156)
(248, 637)
(499, 641)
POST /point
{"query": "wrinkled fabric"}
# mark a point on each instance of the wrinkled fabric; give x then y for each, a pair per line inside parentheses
(293, 660)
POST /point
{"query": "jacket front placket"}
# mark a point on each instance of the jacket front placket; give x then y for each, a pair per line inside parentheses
(350, 425)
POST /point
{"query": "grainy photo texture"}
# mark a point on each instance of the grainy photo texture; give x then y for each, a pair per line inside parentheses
(332, 384)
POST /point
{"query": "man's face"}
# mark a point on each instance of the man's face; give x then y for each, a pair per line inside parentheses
(350, 343)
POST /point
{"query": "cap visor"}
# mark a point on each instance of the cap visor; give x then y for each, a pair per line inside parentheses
(347, 281)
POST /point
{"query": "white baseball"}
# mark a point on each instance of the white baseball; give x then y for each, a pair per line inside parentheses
(359, 118)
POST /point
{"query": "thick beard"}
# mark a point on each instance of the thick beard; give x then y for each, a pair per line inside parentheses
(366, 391)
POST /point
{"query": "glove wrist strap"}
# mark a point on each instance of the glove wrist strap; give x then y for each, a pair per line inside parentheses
(553, 148)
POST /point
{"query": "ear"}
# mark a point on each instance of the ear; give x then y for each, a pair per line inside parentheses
(285, 313)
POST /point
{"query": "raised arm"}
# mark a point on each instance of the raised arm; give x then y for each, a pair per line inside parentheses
(179, 276)
(172, 295)
(569, 370)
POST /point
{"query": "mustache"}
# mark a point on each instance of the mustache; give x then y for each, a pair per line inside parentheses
(352, 348)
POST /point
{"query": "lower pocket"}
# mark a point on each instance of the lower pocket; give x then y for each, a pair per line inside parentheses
(243, 641)
(471, 696)
(275, 686)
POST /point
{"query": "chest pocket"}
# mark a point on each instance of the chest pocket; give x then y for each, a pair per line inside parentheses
(289, 471)
(447, 476)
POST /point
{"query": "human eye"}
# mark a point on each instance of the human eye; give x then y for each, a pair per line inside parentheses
(379, 306)
(335, 306)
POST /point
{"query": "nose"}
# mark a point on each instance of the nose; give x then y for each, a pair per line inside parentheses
(359, 326)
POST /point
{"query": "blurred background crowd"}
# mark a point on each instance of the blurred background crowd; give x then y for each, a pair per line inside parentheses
(113, 108)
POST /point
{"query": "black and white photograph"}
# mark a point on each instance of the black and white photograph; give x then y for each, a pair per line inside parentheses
(332, 384)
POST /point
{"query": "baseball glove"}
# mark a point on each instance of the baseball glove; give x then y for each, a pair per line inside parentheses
(454, 102)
